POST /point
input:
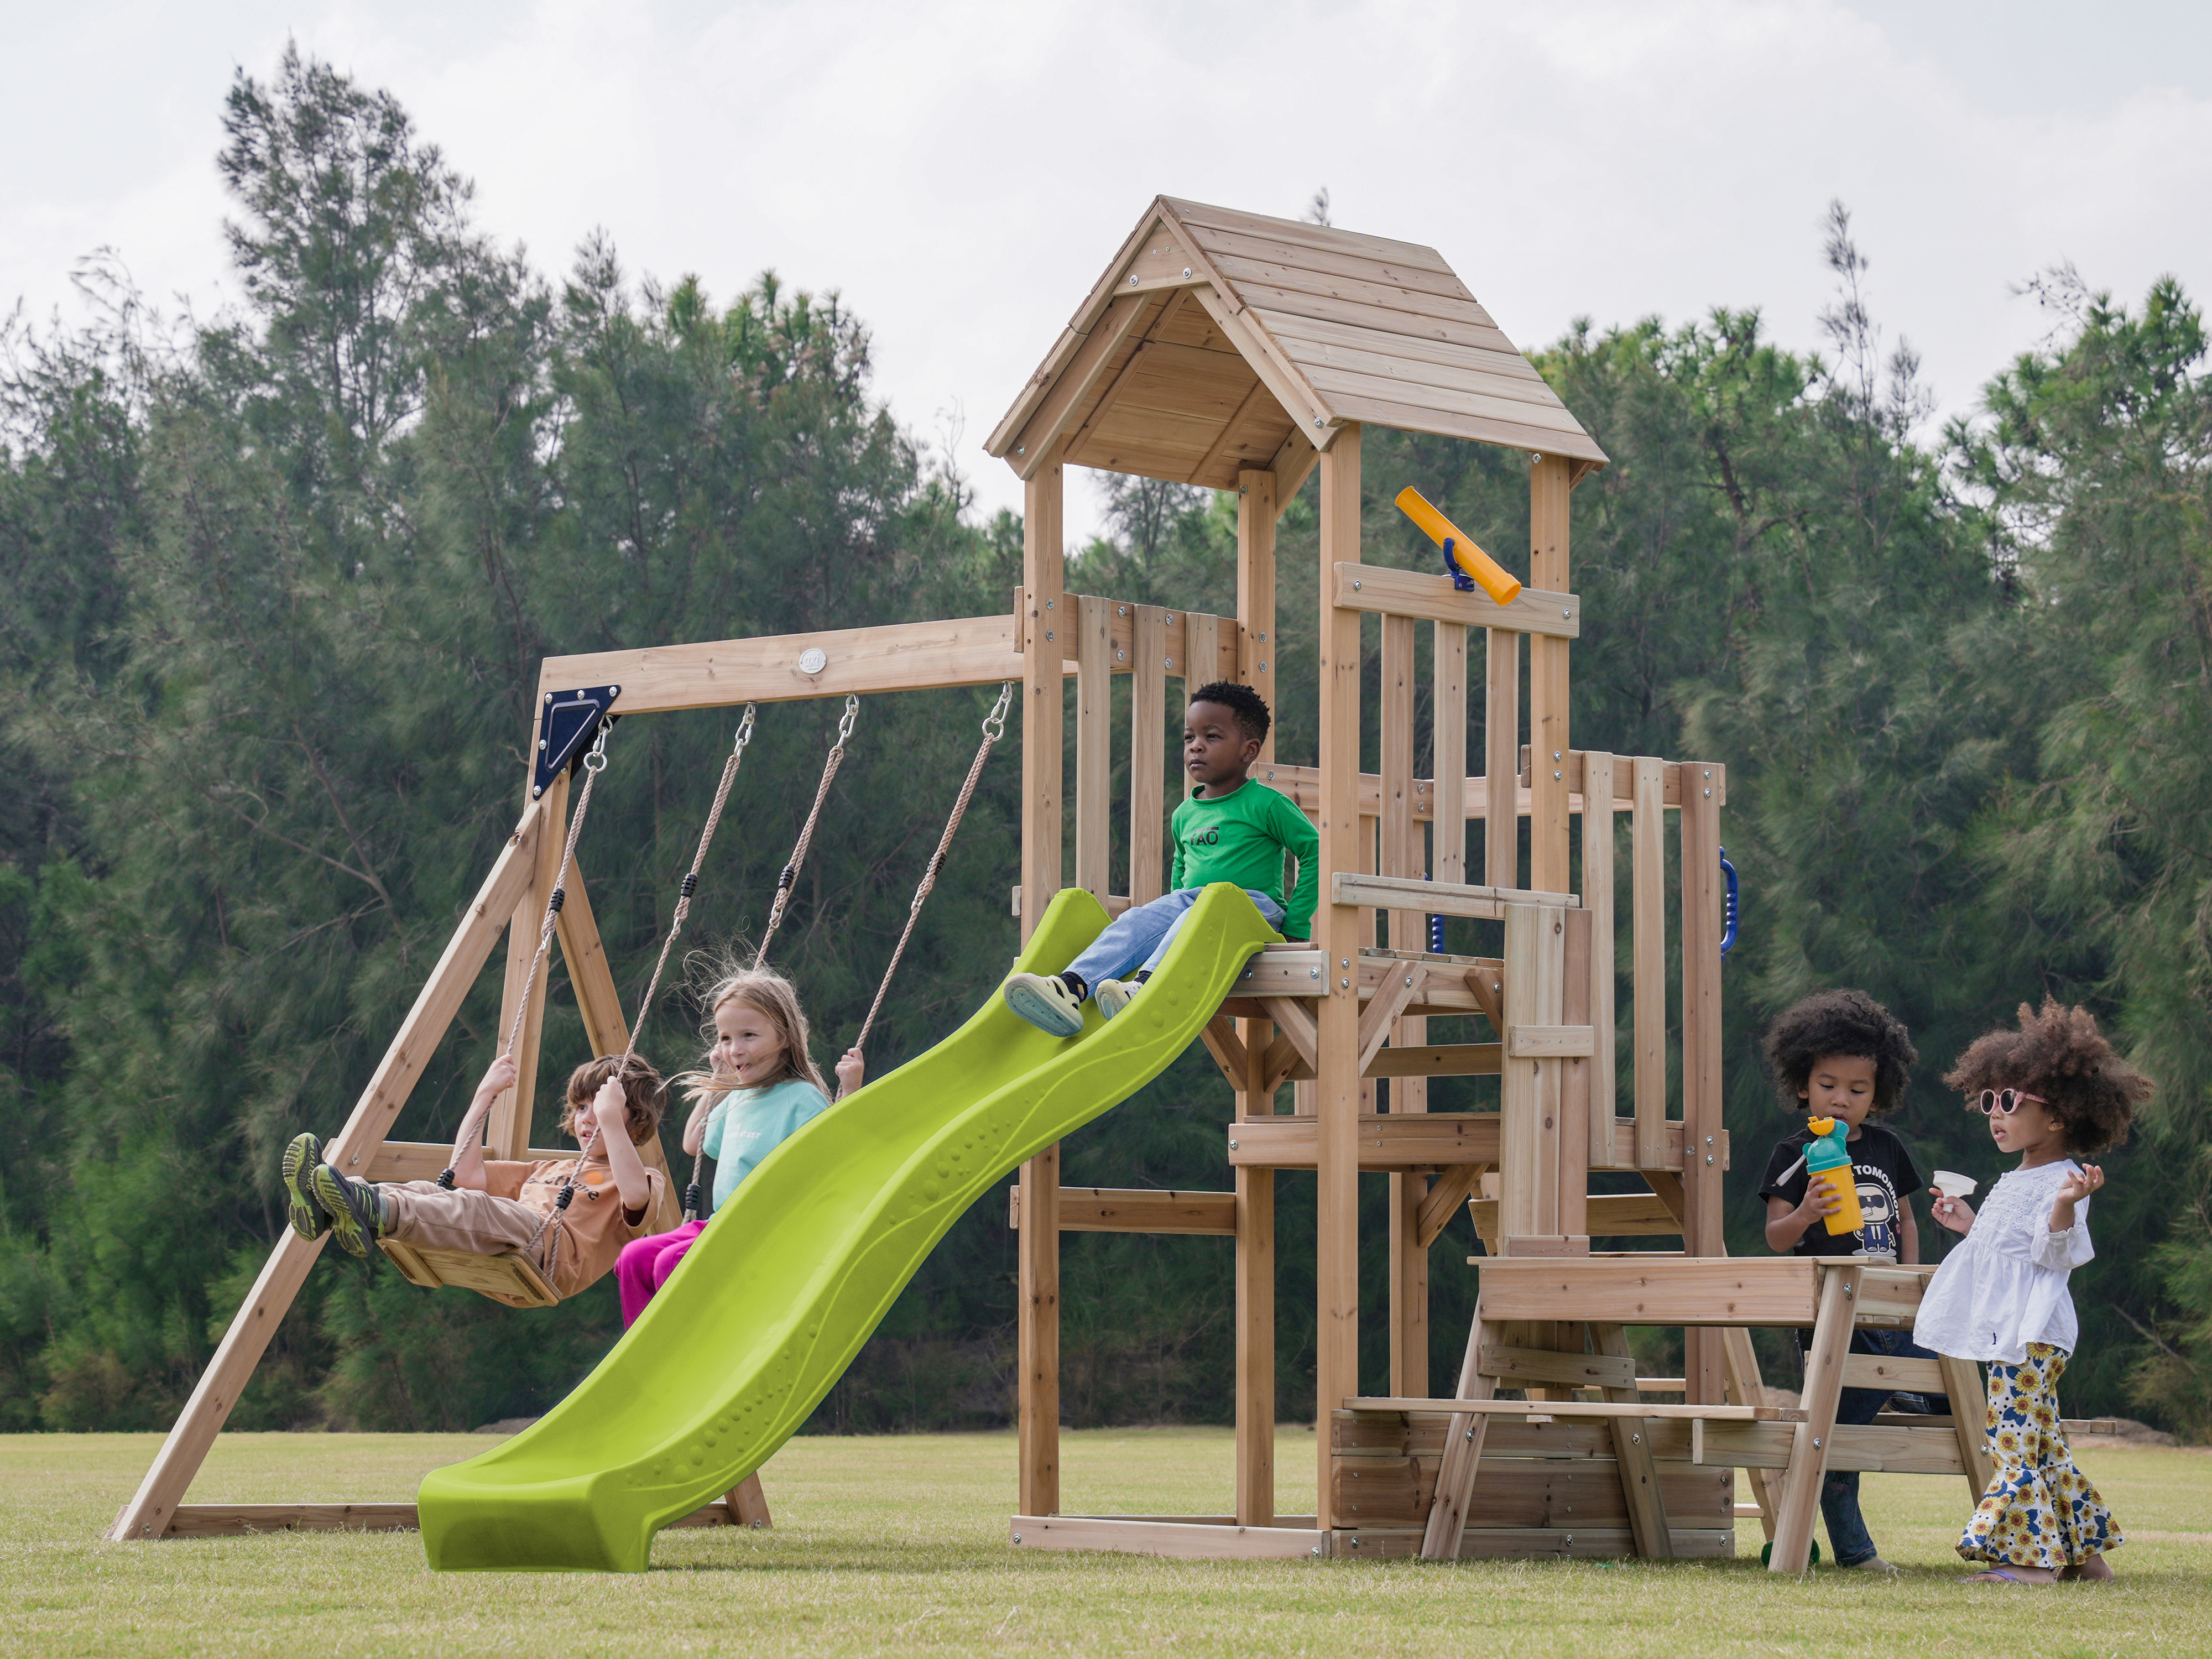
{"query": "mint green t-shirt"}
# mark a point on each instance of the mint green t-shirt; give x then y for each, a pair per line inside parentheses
(748, 1124)
(1241, 837)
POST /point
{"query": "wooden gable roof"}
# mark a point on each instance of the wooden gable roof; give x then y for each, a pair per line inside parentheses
(1217, 341)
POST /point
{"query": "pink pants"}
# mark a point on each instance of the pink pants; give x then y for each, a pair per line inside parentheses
(645, 1264)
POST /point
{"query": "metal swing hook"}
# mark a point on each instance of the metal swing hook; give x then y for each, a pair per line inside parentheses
(595, 760)
(994, 723)
(845, 725)
(744, 730)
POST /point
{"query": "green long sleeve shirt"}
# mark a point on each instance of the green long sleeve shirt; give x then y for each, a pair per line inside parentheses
(1241, 837)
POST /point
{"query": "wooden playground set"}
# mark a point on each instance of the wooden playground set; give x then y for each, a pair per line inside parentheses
(1233, 351)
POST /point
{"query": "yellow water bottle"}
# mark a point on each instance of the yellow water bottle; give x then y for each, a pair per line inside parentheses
(1825, 1159)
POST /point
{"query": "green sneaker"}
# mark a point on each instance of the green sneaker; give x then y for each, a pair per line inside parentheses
(300, 1207)
(355, 1212)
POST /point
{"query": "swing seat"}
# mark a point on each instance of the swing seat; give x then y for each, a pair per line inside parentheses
(511, 1278)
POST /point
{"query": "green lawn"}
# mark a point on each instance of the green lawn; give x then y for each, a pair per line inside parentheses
(899, 1546)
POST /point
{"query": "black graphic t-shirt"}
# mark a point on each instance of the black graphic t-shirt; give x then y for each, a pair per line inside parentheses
(1886, 1175)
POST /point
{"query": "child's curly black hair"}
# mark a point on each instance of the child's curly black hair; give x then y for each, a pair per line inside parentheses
(1250, 708)
(2059, 1055)
(1840, 1022)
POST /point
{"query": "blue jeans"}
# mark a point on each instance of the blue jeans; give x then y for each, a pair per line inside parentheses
(1839, 1493)
(1141, 935)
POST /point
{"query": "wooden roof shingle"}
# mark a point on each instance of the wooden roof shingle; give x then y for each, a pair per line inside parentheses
(1217, 341)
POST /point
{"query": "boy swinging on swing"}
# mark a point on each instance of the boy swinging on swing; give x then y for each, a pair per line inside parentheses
(495, 1207)
(1230, 829)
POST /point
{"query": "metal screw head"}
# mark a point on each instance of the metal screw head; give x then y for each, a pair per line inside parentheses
(1345, 983)
(1635, 1439)
(1709, 794)
(1558, 776)
(1316, 1549)
(1263, 639)
(1555, 754)
(1133, 282)
(1313, 973)
(1186, 270)
(1263, 668)
(1355, 584)
(1232, 1146)
(1409, 980)
(1018, 1537)
(1047, 604)
(1121, 610)
(1567, 615)
(1816, 1443)
(1170, 662)
(1048, 633)
(1344, 961)
(1021, 449)
(1317, 419)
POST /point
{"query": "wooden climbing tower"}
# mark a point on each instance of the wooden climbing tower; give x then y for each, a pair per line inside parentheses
(1225, 349)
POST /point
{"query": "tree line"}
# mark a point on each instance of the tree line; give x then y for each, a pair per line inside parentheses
(279, 583)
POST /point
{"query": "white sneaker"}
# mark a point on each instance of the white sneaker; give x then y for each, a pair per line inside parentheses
(1872, 1564)
(1046, 1002)
(1112, 995)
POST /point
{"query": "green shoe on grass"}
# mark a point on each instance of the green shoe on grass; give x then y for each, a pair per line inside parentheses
(300, 1207)
(356, 1213)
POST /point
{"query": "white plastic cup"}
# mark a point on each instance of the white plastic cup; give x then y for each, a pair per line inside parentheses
(1951, 1184)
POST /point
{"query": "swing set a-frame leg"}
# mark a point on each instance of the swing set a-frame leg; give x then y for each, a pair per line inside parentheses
(149, 1513)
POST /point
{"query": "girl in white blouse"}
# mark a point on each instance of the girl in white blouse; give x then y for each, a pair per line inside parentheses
(2052, 1090)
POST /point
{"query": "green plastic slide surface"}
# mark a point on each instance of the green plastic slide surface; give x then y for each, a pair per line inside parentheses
(771, 1304)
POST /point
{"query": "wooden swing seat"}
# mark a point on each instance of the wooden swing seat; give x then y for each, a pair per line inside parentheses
(511, 1278)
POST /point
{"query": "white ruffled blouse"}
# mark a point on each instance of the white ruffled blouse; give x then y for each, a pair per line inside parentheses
(2004, 1285)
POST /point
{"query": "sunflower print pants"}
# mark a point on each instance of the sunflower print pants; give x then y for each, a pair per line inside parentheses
(2039, 1510)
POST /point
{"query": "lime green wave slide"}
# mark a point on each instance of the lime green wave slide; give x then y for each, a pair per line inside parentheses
(771, 1304)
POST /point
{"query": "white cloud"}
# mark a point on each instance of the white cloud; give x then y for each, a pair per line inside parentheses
(963, 172)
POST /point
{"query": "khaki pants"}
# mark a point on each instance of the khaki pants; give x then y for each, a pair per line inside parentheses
(428, 1215)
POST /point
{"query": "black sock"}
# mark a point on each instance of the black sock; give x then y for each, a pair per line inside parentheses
(1074, 982)
(1143, 974)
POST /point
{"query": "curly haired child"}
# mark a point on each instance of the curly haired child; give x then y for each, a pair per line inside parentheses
(1842, 1054)
(2053, 1091)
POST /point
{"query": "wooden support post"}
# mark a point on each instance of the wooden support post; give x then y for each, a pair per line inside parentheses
(748, 1503)
(1597, 898)
(1148, 751)
(1705, 1371)
(1463, 1438)
(507, 1129)
(1548, 744)
(1811, 1440)
(1093, 618)
(1647, 859)
(1255, 1347)
(1962, 1382)
(1448, 861)
(1037, 1250)
(1528, 1136)
(1401, 855)
(1631, 1451)
(1745, 1388)
(1337, 930)
(1576, 1084)
(153, 1507)
(1501, 746)
(1257, 644)
(1257, 639)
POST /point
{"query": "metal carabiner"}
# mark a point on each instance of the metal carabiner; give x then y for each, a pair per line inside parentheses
(994, 723)
(596, 760)
(845, 725)
(745, 729)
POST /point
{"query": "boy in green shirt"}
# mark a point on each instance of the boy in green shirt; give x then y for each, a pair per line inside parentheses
(1229, 829)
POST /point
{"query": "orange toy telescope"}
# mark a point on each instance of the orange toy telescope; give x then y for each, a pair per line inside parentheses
(1462, 557)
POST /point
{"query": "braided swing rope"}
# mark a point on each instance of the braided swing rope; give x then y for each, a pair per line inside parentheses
(994, 727)
(806, 833)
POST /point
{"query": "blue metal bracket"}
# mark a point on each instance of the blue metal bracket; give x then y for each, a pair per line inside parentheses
(1460, 580)
(566, 723)
(1732, 913)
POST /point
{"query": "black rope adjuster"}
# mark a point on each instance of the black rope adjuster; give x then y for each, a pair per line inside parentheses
(790, 874)
(446, 1180)
(690, 883)
(560, 898)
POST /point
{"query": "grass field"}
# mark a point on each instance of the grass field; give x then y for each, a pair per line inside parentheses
(899, 1546)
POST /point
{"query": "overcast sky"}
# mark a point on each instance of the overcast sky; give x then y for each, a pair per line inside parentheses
(963, 172)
